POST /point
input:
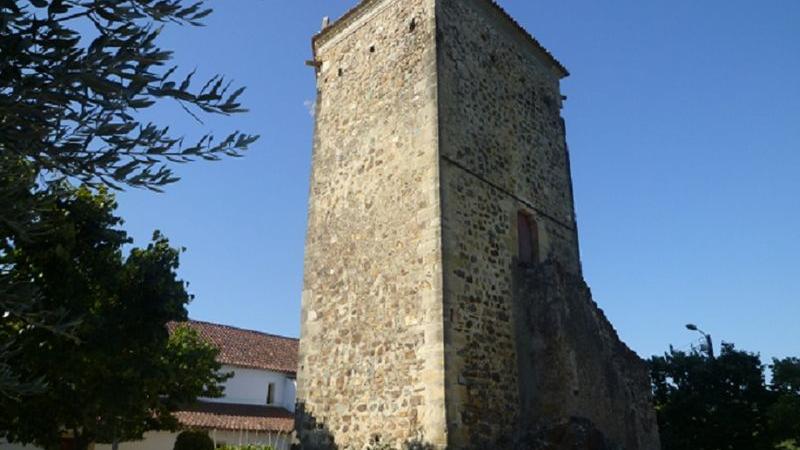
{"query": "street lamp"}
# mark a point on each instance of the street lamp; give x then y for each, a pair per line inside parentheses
(709, 344)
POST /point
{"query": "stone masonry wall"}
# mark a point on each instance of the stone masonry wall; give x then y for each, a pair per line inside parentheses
(500, 104)
(503, 151)
(437, 122)
(577, 365)
(371, 349)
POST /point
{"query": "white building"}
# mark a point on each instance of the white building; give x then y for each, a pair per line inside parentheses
(258, 405)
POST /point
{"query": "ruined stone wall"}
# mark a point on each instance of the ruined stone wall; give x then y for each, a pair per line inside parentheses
(503, 151)
(371, 349)
(576, 364)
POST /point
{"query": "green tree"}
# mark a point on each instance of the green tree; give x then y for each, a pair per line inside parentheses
(724, 403)
(119, 372)
(784, 414)
(19, 299)
(77, 81)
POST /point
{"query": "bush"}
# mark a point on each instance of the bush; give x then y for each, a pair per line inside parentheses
(246, 447)
(193, 440)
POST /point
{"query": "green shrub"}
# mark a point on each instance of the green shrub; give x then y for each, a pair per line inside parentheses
(193, 440)
(246, 447)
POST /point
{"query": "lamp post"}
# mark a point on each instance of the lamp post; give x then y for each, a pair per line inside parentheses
(709, 343)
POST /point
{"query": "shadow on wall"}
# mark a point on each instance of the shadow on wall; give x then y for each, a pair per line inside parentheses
(574, 364)
(569, 434)
(313, 434)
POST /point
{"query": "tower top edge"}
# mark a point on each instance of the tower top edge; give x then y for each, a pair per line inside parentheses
(349, 17)
(364, 6)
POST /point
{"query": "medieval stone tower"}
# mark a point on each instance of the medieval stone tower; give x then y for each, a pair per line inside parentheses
(443, 302)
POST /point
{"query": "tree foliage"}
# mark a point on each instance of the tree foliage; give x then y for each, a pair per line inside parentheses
(706, 403)
(784, 415)
(78, 83)
(22, 221)
(76, 78)
(118, 373)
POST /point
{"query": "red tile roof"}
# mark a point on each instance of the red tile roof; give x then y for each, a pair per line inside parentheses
(249, 349)
(226, 416)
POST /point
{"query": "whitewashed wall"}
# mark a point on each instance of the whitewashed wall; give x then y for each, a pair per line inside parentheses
(289, 393)
(249, 387)
(155, 440)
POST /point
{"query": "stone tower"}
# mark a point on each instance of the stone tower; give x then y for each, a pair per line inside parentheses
(443, 302)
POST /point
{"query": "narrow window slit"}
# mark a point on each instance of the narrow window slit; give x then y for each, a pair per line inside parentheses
(270, 393)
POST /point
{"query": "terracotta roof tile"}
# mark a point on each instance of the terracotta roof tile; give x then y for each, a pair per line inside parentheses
(227, 416)
(250, 349)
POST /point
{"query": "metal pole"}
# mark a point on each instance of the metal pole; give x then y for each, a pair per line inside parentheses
(710, 345)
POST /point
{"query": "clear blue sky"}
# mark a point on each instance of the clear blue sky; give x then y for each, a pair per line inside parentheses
(684, 125)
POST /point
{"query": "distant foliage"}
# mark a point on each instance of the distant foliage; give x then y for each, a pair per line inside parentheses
(193, 440)
(246, 447)
(706, 403)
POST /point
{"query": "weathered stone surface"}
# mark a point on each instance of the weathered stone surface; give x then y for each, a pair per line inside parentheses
(573, 364)
(371, 357)
(438, 122)
(572, 434)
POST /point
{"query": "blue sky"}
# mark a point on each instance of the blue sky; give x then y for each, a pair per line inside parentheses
(684, 127)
